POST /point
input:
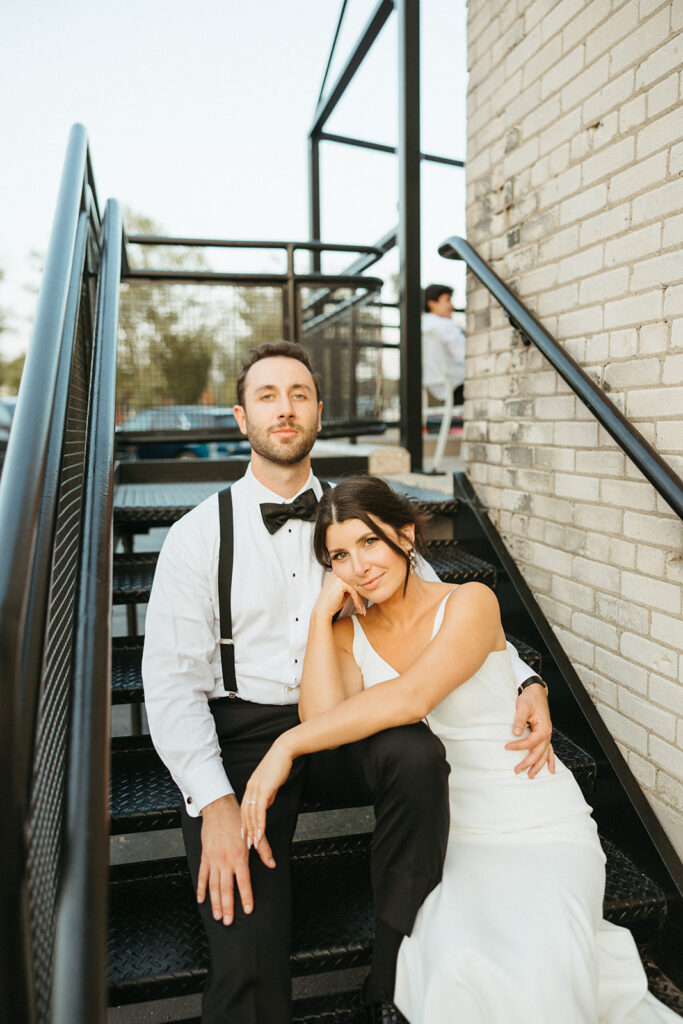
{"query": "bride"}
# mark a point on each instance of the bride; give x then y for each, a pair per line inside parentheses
(514, 931)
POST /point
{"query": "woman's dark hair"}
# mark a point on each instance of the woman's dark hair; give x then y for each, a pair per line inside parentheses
(369, 499)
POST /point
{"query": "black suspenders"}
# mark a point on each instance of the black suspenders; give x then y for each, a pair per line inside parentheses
(225, 558)
(225, 562)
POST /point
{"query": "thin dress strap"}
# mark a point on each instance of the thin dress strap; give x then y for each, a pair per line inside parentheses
(440, 612)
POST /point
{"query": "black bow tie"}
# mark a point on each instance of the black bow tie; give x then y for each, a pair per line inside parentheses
(303, 507)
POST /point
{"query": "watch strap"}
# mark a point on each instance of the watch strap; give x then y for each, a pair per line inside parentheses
(529, 682)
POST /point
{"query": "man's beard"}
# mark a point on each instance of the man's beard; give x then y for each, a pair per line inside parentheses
(283, 454)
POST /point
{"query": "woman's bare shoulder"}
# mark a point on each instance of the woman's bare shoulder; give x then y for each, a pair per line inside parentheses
(342, 631)
(474, 601)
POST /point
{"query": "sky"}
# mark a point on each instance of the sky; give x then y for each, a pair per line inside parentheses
(198, 116)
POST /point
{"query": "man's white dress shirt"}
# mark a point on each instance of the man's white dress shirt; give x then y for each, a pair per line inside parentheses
(443, 354)
(275, 583)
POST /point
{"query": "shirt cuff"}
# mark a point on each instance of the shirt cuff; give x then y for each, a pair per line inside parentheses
(204, 785)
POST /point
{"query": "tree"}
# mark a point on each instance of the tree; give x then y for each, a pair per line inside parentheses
(10, 369)
(166, 338)
(261, 312)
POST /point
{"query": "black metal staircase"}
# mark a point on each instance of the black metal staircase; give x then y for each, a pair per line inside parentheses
(157, 947)
(62, 673)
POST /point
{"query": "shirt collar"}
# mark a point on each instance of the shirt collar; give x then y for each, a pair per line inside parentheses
(259, 493)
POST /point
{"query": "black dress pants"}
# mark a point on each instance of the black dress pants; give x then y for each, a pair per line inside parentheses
(402, 771)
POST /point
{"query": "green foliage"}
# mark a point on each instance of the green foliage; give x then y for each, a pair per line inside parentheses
(10, 372)
(10, 369)
(261, 311)
(185, 363)
(181, 344)
(166, 345)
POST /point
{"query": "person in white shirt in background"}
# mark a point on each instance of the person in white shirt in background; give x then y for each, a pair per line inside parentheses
(443, 345)
(211, 736)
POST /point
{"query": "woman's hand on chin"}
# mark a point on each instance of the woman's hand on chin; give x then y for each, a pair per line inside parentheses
(269, 775)
(334, 595)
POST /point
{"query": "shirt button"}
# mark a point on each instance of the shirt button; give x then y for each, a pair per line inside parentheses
(189, 799)
(293, 574)
(296, 661)
(296, 619)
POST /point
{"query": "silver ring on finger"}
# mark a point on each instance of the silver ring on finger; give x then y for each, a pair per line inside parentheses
(251, 802)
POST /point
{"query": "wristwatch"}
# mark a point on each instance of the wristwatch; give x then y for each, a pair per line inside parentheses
(529, 682)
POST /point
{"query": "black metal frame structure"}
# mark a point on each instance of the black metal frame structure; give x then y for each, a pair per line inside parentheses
(631, 441)
(55, 633)
(409, 159)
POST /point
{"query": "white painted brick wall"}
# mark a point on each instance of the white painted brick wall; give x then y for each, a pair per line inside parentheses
(575, 193)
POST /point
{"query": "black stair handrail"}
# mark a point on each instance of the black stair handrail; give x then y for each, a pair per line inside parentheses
(53, 628)
(28, 510)
(631, 441)
(79, 985)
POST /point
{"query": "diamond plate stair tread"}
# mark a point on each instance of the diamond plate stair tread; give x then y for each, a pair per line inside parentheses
(133, 574)
(663, 988)
(127, 660)
(157, 947)
(630, 896)
(454, 566)
(144, 796)
(340, 1008)
(126, 670)
(158, 504)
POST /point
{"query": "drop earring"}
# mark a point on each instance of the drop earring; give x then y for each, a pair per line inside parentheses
(412, 558)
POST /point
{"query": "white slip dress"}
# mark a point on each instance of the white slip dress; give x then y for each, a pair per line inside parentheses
(514, 931)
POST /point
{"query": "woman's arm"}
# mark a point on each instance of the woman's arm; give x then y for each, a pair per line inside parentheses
(329, 675)
(471, 630)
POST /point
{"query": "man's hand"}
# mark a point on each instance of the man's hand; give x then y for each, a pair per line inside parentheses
(225, 859)
(532, 708)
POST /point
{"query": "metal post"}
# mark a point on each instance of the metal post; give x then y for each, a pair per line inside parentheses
(292, 298)
(409, 228)
(314, 198)
(353, 356)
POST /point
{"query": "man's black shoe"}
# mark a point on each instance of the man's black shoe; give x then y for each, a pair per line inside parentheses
(385, 1013)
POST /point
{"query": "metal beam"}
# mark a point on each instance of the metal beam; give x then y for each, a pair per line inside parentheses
(218, 243)
(409, 228)
(367, 38)
(380, 147)
(332, 49)
(383, 245)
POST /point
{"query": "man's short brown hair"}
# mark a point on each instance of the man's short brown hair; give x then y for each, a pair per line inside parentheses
(289, 349)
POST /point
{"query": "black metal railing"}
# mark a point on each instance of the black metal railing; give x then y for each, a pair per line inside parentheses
(79, 986)
(630, 440)
(43, 492)
(181, 345)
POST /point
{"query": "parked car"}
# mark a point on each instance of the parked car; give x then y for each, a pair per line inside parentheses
(174, 418)
(7, 407)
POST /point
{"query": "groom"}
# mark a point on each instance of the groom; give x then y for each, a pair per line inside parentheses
(225, 638)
